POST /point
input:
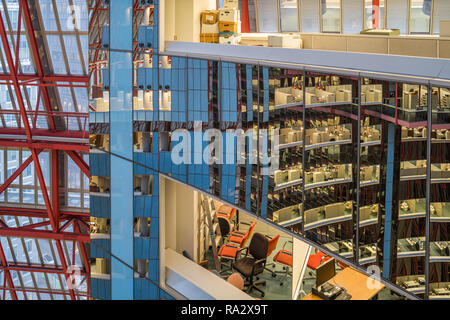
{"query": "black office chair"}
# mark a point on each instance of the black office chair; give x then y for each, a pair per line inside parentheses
(254, 261)
(225, 227)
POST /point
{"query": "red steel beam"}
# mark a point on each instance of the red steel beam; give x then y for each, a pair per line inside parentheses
(27, 77)
(45, 145)
(43, 291)
(8, 277)
(55, 185)
(44, 133)
(37, 268)
(34, 225)
(40, 213)
(79, 161)
(15, 81)
(48, 205)
(84, 255)
(245, 16)
(17, 173)
(44, 234)
(62, 258)
(37, 59)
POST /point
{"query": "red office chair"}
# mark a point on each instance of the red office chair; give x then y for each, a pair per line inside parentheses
(284, 258)
(238, 236)
(273, 242)
(227, 211)
(236, 241)
(315, 260)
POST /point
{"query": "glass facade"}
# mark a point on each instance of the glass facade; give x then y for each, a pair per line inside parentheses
(345, 162)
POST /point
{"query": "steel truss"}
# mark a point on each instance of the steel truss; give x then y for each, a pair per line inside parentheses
(58, 139)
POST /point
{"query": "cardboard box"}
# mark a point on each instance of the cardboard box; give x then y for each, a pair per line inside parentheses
(210, 28)
(209, 37)
(231, 4)
(231, 27)
(229, 15)
(209, 16)
(228, 38)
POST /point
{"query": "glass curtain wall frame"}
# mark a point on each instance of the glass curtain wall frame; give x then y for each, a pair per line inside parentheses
(331, 126)
(438, 254)
(281, 110)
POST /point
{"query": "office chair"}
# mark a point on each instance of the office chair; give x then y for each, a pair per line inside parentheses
(315, 260)
(226, 226)
(238, 236)
(254, 261)
(226, 211)
(236, 241)
(229, 251)
(272, 245)
(283, 257)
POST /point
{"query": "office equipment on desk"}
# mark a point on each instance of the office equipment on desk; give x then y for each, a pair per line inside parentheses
(441, 291)
(325, 272)
(328, 291)
(355, 284)
(410, 284)
(345, 246)
(315, 260)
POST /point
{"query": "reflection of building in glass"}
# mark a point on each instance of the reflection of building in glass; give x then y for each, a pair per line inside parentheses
(363, 148)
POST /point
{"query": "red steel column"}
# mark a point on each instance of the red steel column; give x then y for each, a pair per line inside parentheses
(245, 17)
(376, 14)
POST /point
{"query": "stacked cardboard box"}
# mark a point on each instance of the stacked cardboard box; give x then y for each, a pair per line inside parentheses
(230, 23)
(210, 26)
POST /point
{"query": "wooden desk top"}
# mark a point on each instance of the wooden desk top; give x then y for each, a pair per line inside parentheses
(356, 284)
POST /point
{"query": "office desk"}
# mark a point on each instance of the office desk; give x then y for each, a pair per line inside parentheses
(355, 282)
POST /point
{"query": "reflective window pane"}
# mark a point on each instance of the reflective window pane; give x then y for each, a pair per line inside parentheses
(420, 16)
(397, 15)
(374, 14)
(267, 16)
(309, 15)
(352, 16)
(441, 12)
(289, 15)
(331, 16)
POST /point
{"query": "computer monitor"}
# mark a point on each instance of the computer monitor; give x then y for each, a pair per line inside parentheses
(325, 272)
